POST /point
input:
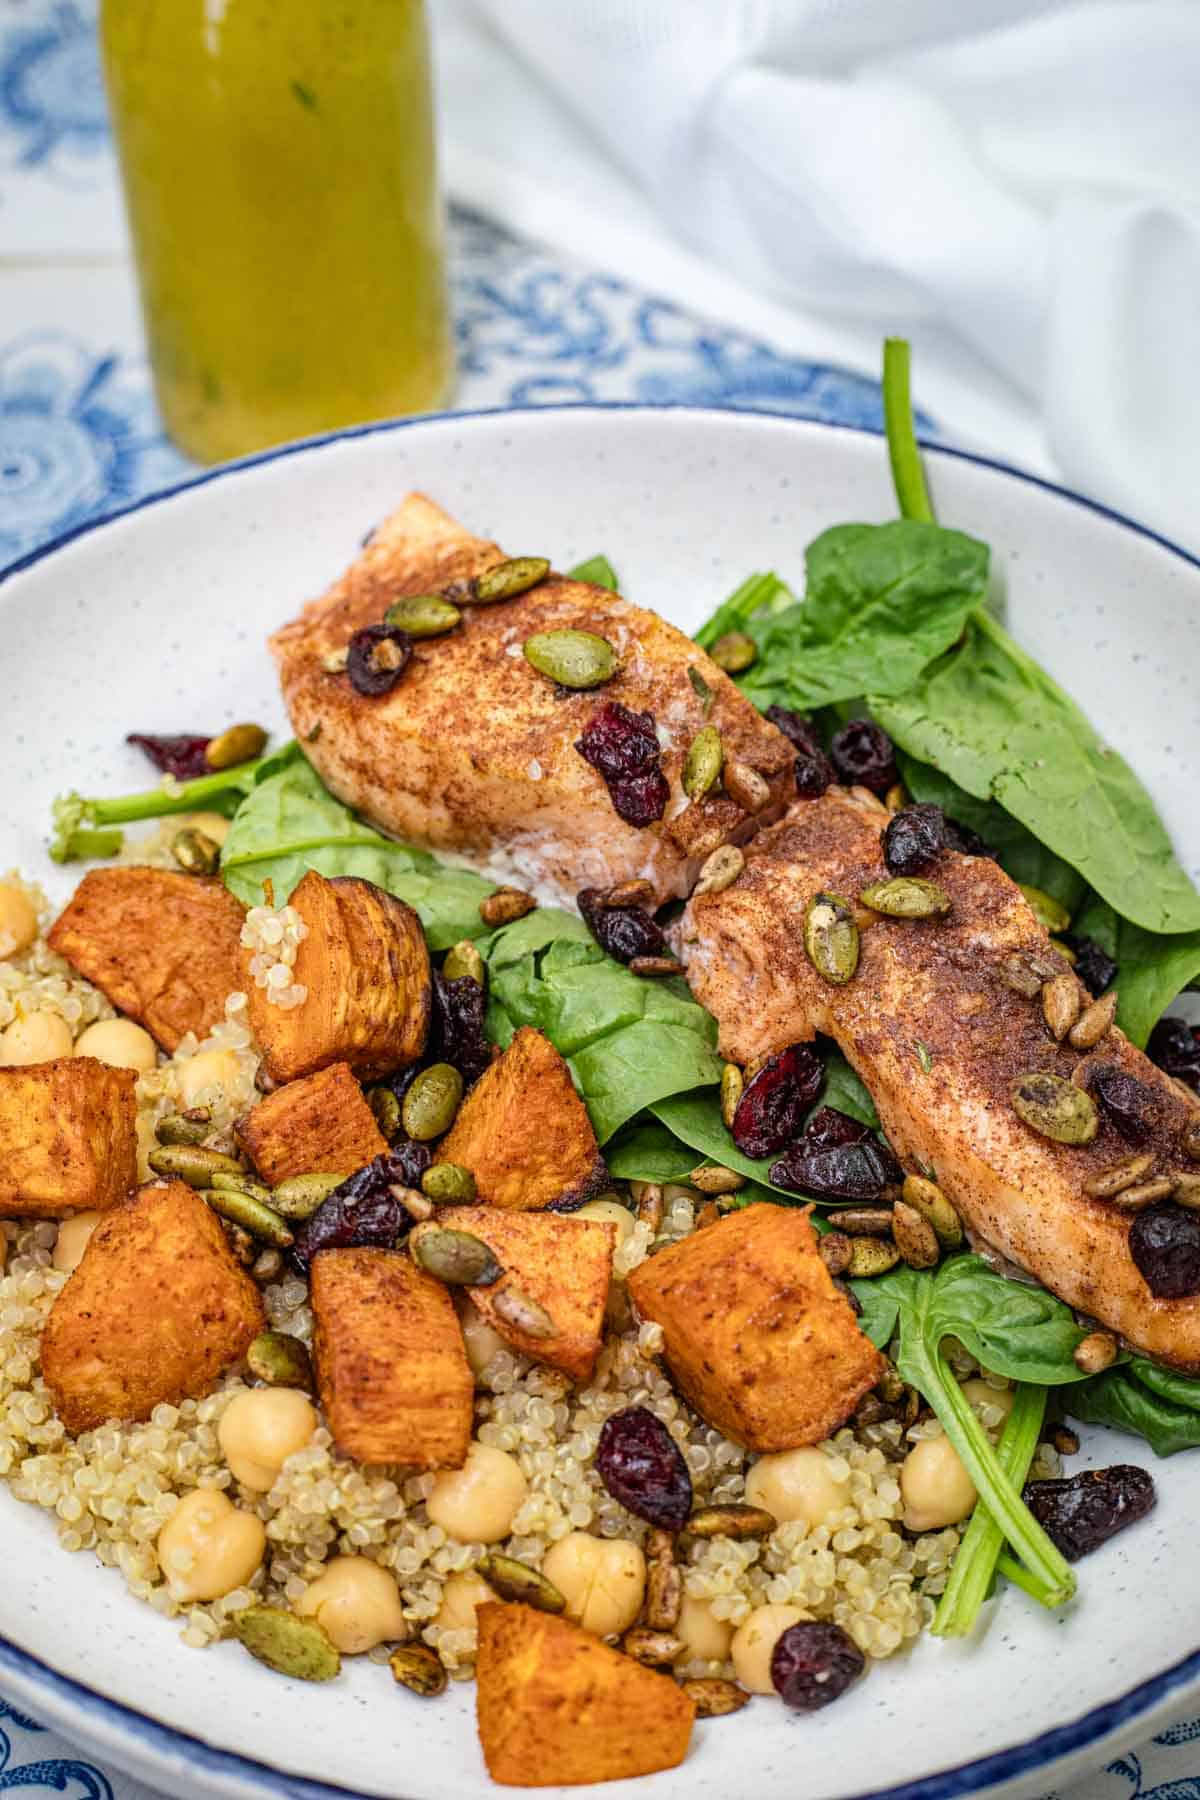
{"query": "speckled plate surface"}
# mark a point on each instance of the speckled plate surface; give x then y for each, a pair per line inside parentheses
(156, 620)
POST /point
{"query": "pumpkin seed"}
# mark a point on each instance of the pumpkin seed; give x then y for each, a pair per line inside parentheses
(701, 689)
(907, 897)
(523, 1314)
(300, 1195)
(1045, 908)
(300, 1648)
(831, 939)
(516, 1581)
(711, 1178)
(719, 871)
(280, 1360)
(192, 1163)
(1189, 1140)
(924, 1054)
(715, 1698)
(1054, 1107)
(1094, 1022)
(650, 1203)
(423, 615)
(871, 1256)
(1095, 1353)
(505, 905)
(195, 852)
(629, 893)
(664, 1582)
(458, 1258)
(836, 1250)
(1118, 1176)
(703, 763)
(183, 1128)
(653, 965)
(1185, 1190)
(731, 1521)
(733, 1085)
(927, 1198)
(448, 1184)
(1144, 1193)
(431, 1102)
(914, 1236)
(1064, 950)
(862, 1221)
(1060, 1005)
(574, 659)
(239, 744)
(734, 652)
(419, 1669)
(653, 1648)
(241, 1184)
(896, 799)
(252, 1215)
(464, 960)
(505, 580)
(334, 661)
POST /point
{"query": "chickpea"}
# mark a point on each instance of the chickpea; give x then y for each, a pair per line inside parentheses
(37, 1038)
(480, 1340)
(937, 1489)
(705, 1637)
(18, 920)
(602, 1580)
(755, 1640)
(610, 1212)
(261, 1429)
(478, 1503)
(981, 1393)
(120, 1043)
(73, 1238)
(460, 1596)
(358, 1603)
(206, 1070)
(208, 1546)
(796, 1484)
(213, 825)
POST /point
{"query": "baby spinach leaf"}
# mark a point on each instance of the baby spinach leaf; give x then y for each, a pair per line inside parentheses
(645, 1150)
(1159, 1405)
(596, 569)
(758, 597)
(1152, 968)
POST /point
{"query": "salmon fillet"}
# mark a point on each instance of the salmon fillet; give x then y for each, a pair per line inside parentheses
(473, 751)
(931, 992)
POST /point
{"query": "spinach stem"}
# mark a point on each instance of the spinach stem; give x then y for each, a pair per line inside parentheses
(983, 1540)
(908, 477)
(181, 796)
(1020, 1577)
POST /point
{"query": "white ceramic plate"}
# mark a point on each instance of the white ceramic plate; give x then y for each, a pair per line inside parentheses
(155, 621)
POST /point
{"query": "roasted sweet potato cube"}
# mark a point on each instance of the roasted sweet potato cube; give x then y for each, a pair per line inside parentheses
(524, 1133)
(562, 1264)
(162, 946)
(758, 1339)
(321, 1122)
(68, 1137)
(557, 1708)
(156, 1310)
(392, 1370)
(366, 967)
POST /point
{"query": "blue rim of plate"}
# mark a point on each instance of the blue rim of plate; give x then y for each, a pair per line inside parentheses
(966, 1778)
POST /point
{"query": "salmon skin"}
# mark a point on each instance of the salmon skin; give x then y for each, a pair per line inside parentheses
(473, 752)
(938, 1036)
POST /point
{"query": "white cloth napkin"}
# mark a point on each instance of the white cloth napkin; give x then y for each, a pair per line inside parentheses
(1015, 184)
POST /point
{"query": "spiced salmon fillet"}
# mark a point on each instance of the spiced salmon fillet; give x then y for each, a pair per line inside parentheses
(938, 1035)
(474, 752)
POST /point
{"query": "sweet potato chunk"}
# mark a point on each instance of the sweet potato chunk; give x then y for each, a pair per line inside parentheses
(524, 1132)
(366, 968)
(561, 1263)
(68, 1137)
(155, 1311)
(557, 1708)
(322, 1122)
(758, 1338)
(392, 1372)
(163, 947)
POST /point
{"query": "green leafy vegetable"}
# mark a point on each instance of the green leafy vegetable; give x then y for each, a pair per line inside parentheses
(596, 569)
(758, 597)
(1160, 1405)
(74, 814)
(983, 1541)
(644, 1150)
(1152, 967)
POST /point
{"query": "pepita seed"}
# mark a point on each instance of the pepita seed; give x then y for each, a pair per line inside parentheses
(734, 652)
(448, 1184)
(300, 1195)
(703, 763)
(419, 1669)
(1189, 1140)
(523, 1314)
(1064, 950)
(280, 1360)
(238, 744)
(719, 871)
(516, 1581)
(711, 1178)
(928, 1199)
(196, 853)
(300, 1648)
(907, 897)
(653, 965)
(653, 1648)
(836, 1250)
(745, 786)
(1186, 1190)
(1094, 1022)
(733, 1084)
(458, 1258)
(431, 1102)
(192, 1163)
(895, 799)
(464, 960)
(423, 615)
(505, 905)
(241, 1184)
(505, 580)
(178, 1128)
(1055, 1108)
(252, 1215)
(701, 689)
(862, 1221)
(1045, 908)
(413, 1201)
(1119, 1176)
(650, 1204)
(1144, 1193)
(914, 1236)
(1095, 1353)
(708, 1214)
(334, 661)
(1060, 1005)
(871, 1256)
(574, 659)
(715, 1698)
(731, 1521)
(831, 938)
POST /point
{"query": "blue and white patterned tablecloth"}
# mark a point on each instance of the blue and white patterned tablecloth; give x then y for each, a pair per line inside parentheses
(80, 438)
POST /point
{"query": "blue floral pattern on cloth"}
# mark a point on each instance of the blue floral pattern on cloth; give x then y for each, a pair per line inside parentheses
(52, 112)
(64, 1775)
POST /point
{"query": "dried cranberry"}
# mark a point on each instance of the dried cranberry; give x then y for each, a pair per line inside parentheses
(183, 757)
(1083, 1512)
(813, 775)
(457, 1034)
(1164, 1242)
(1093, 965)
(960, 837)
(623, 931)
(640, 799)
(914, 839)
(843, 1172)
(813, 1663)
(1175, 1047)
(775, 1100)
(828, 1128)
(623, 747)
(863, 756)
(1129, 1104)
(377, 657)
(642, 1466)
(798, 730)
(410, 1159)
(364, 1210)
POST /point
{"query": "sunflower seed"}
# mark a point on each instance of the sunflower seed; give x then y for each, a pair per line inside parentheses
(862, 1221)
(650, 1203)
(711, 1178)
(505, 905)
(653, 965)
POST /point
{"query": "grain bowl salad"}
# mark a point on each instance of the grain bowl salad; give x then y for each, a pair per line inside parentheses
(611, 1165)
